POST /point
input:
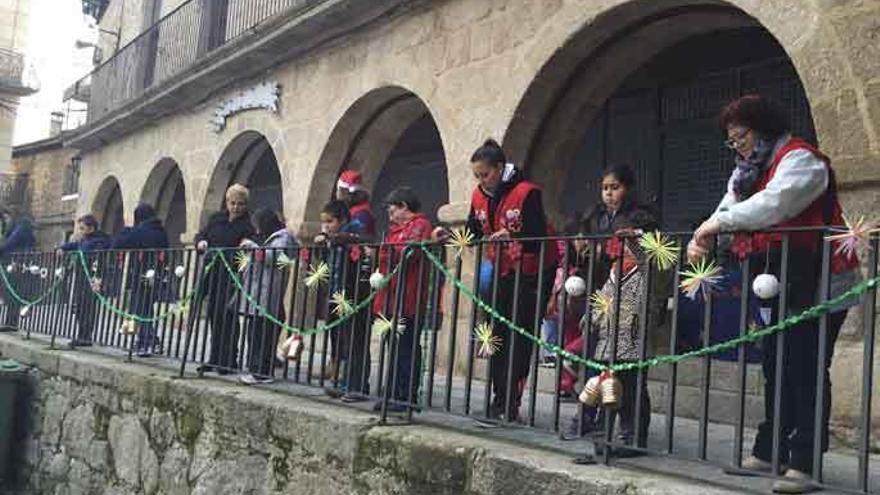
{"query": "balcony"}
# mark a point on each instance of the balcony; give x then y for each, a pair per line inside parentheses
(17, 77)
(201, 47)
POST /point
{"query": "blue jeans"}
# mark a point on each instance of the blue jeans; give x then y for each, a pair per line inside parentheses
(550, 333)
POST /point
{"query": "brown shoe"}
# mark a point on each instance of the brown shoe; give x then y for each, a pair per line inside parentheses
(795, 482)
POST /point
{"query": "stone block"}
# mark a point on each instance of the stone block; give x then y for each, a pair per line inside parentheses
(174, 471)
(858, 31)
(134, 460)
(840, 126)
(232, 477)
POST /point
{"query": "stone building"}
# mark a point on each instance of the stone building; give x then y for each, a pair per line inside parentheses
(16, 78)
(284, 95)
(50, 171)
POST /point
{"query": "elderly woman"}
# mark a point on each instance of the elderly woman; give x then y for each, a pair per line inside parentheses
(225, 229)
(783, 182)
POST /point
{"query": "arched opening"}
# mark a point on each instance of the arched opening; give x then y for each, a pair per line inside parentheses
(166, 191)
(108, 207)
(648, 95)
(389, 136)
(248, 160)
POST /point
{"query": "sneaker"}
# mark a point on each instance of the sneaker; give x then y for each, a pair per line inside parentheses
(351, 398)
(794, 482)
(250, 379)
(144, 354)
(574, 431)
(751, 466)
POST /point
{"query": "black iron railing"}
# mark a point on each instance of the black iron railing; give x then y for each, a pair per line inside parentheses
(457, 330)
(169, 47)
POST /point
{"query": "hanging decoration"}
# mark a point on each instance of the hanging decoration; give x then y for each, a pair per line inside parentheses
(24, 311)
(59, 272)
(702, 277)
(855, 236)
(575, 286)
(341, 306)
(179, 271)
(459, 240)
(128, 327)
(284, 262)
(601, 304)
(489, 343)
(382, 326)
(660, 249)
(603, 389)
(765, 286)
(318, 274)
(34, 269)
(44, 272)
(377, 280)
(149, 276)
(241, 261)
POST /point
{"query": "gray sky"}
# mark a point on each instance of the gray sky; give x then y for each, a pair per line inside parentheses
(54, 27)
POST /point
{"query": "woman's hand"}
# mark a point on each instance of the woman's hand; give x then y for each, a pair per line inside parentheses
(440, 234)
(704, 234)
(695, 251)
(501, 235)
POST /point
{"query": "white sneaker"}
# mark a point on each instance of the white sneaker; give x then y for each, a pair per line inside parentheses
(250, 379)
(794, 482)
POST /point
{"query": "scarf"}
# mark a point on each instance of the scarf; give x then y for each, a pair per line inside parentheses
(749, 169)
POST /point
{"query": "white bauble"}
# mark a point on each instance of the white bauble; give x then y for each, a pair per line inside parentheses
(23, 312)
(179, 271)
(575, 286)
(765, 286)
(34, 269)
(150, 274)
(377, 280)
(10, 268)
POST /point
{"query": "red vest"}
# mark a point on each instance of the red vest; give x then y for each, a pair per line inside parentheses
(417, 229)
(508, 215)
(824, 211)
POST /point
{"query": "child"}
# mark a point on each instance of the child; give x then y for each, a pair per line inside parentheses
(631, 270)
(407, 225)
(350, 349)
(266, 286)
(617, 207)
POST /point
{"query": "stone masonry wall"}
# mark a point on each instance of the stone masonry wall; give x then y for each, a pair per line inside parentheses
(98, 425)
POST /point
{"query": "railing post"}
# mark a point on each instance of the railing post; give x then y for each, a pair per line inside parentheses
(212, 24)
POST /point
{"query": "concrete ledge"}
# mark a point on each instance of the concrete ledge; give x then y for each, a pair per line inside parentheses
(102, 425)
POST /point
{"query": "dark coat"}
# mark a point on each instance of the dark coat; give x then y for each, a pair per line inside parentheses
(149, 234)
(20, 238)
(601, 222)
(96, 241)
(221, 233)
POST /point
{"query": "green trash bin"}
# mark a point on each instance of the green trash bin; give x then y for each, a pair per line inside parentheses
(11, 375)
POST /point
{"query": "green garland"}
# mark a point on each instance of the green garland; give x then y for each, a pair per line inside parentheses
(25, 302)
(751, 337)
(105, 301)
(302, 331)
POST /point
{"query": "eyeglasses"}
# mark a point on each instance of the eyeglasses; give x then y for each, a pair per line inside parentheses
(736, 141)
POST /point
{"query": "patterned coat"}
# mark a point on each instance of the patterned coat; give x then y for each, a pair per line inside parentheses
(631, 294)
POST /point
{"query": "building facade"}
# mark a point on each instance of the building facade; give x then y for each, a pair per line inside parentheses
(282, 96)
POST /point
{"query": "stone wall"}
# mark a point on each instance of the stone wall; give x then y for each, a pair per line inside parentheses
(97, 425)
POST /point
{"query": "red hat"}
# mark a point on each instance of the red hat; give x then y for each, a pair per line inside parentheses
(350, 180)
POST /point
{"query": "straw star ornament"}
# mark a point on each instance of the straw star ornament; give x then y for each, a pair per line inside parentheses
(284, 262)
(341, 306)
(601, 304)
(382, 326)
(855, 236)
(241, 261)
(660, 249)
(317, 274)
(459, 240)
(489, 344)
(701, 277)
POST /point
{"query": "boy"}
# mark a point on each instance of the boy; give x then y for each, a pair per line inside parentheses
(89, 239)
(350, 349)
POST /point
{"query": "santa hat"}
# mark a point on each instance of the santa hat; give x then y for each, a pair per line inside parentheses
(350, 180)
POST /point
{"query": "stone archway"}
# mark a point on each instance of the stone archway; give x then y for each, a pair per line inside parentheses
(390, 136)
(561, 127)
(248, 160)
(166, 192)
(108, 206)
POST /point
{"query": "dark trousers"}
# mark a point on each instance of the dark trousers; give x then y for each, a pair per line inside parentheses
(407, 363)
(141, 304)
(13, 309)
(86, 310)
(627, 411)
(797, 413)
(516, 350)
(261, 345)
(351, 345)
(224, 323)
(800, 356)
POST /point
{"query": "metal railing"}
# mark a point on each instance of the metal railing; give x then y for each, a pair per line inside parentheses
(169, 47)
(459, 333)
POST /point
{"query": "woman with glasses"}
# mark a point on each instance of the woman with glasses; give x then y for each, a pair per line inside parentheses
(783, 182)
